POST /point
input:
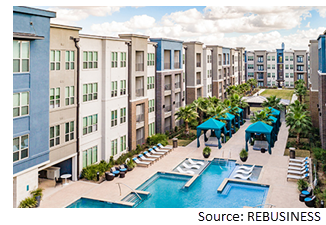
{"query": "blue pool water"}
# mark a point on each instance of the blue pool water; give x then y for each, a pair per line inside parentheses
(168, 191)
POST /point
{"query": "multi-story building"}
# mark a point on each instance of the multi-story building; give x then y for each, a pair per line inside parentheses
(103, 116)
(313, 83)
(169, 85)
(193, 70)
(207, 72)
(139, 94)
(277, 68)
(241, 65)
(31, 44)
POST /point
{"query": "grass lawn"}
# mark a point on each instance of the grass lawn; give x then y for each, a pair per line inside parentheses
(284, 94)
(298, 153)
(182, 142)
(255, 109)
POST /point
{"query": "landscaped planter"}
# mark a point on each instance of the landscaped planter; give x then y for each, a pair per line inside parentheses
(206, 155)
(244, 159)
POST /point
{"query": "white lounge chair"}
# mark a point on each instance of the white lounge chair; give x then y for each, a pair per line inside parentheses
(190, 166)
(243, 177)
(298, 164)
(298, 168)
(160, 150)
(140, 163)
(245, 171)
(147, 154)
(298, 171)
(159, 145)
(297, 177)
(246, 168)
(195, 162)
(185, 171)
(299, 160)
(142, 157)
(152, 151)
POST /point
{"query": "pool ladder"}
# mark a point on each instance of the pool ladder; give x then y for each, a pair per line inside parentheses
(271, 205)
(129, 188)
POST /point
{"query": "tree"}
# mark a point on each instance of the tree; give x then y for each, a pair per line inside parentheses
(297, 106)
(213, 101)
(252, 82)
(301, 91)
(299, 82)
(232, 90)
(273, 102)
(298, 121)
(262, 116)
(218, 111)
(187, 114)
(200, 105)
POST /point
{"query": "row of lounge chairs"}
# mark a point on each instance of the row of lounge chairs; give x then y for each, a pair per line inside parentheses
(298, 168)
(153, 154)
(192, 165)
(244, 172)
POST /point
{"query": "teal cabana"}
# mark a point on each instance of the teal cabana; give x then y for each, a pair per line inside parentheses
(239, 116)
(276, 113)
(212, 124)
(230, 120)
(263, 128)
(275, 125)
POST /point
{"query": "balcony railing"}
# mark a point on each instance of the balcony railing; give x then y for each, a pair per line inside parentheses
(139, 118)
(177, 104)
(167, 108)
(139, 66)
(176, 65)
(220, 76)
(167, 87)
(219, 63)
(177, 84)
(140, 141)
(140, 92)
(198, 64)
(167, 65)
(260, 77)
(198, 81)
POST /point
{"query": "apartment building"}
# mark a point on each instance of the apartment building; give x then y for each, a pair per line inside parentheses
(193, 70)
(207, 72)
(313, 83)
(169, 83)
(241, 65)
(139, 94)
(277, 68)
(103, 91)
(31, 44)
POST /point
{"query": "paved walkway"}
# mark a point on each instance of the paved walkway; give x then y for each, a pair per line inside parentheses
(258, 93)
(282, 193)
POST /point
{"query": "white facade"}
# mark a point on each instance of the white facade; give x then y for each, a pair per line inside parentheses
(207, 72)
(151, 92)
(271, 68)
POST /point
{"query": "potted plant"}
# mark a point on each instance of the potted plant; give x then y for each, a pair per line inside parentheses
(243, 155)
(37, 194)
(130, 164)
(206, 152)
(29, 202)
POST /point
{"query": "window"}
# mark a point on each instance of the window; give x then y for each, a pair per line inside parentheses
(250, 74)
(250, 58)
(114, 59)
(250, 66)
(114, 88)
(114, 118)
(291, 75)
(89, 156)
(268, 74)
(209, 59)
(20, 147)
(55, 58)
(54, 135)
(123, 143)
(69, 95)
(273, 58)
(123, 59)
(114, 147)
(286, 75)
(70, 60)
(300, 76)
(291, 83)
(268, 58)
(286, 66)
(151, 106)
(90, 92)
(151, 129)
(260, 67)
(150, 83)
(20, 104)
(69, 131)
(122, 115)
(89, 124)
(273, 74)
(183, 58)
(122, 87)
(90, 60)
(269, 83)
(300, 58)
(260, 59)
(150, 59)
(286, 83)
(299, 68)
(183, 77)
(268, 66)
(20, 56)
(291, 57)
(273, 66)
(286, 58)
(54, 98)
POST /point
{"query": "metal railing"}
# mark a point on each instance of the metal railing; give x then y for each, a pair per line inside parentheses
(176, 65)
(198, 81)
(139, 66)
(177, 104)
(167, 108)
(129, 188)
(167, 65)
(167, 87)
(198, 64)
(140, 141)
(177, 84)
(140, 92)
(140, 118)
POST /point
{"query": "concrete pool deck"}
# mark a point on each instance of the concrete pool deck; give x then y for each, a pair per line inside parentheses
(282, 193)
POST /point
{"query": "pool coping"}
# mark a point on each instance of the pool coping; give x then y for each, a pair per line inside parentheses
(226, 180)
(105, 200)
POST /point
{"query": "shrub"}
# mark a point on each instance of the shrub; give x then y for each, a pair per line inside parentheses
(207, 150)
(90, 172)
(37, 192)
(302, 184)
(157, 138)
(29, 202)
(324, 169)
(318, 153)
(243, 153)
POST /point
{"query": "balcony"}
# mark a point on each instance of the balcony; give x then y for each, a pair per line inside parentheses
(139, 118)
(176, 65)
(220, 76)
(140, 141)
(177, 85)
(167, 108)
(177, 104)
(167, 128)
(219, 63)
(198, 81)
(198, 64)
(167, 87)
(139, 66)
(140, 92)
(167, 66)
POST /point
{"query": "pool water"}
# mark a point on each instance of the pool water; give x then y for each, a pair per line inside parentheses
(90, 203)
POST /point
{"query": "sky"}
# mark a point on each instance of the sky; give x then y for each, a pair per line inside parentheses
(252, 27)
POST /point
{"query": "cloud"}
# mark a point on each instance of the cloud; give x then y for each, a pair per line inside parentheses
(308, 24)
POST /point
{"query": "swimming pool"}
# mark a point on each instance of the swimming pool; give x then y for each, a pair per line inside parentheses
(167, 190)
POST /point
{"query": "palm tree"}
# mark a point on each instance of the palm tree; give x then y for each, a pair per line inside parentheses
(296, 105)
(252, 82)
(218, 111)
(213, 101)
(232, 90)
(273, 102)
(262, 116)
(187, 114)
(243, 88)
(299, 82)
(301, 91)
(200, 105)
(299, 122)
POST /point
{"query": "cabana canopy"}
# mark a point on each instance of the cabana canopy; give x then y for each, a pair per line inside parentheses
(263, 128)
(277, 113)
(211, 124)
(230, 119)
(274, 122)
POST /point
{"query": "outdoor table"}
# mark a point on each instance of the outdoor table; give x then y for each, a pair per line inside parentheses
(65, 176)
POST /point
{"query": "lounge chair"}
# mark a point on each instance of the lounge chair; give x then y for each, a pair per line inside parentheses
(147, 154)
(297, 177)
(245, 171)
(159, 145)
(115, 171)
(243, 177)
(152, 151)
(143, 158)
(140, 163)
(298, 164)
(195, 162)
(310, 201)
(298, 171)
(185, 171)
(190, 166)
(299, 160)
(160, 150)
(246, 168)
(298, 168)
